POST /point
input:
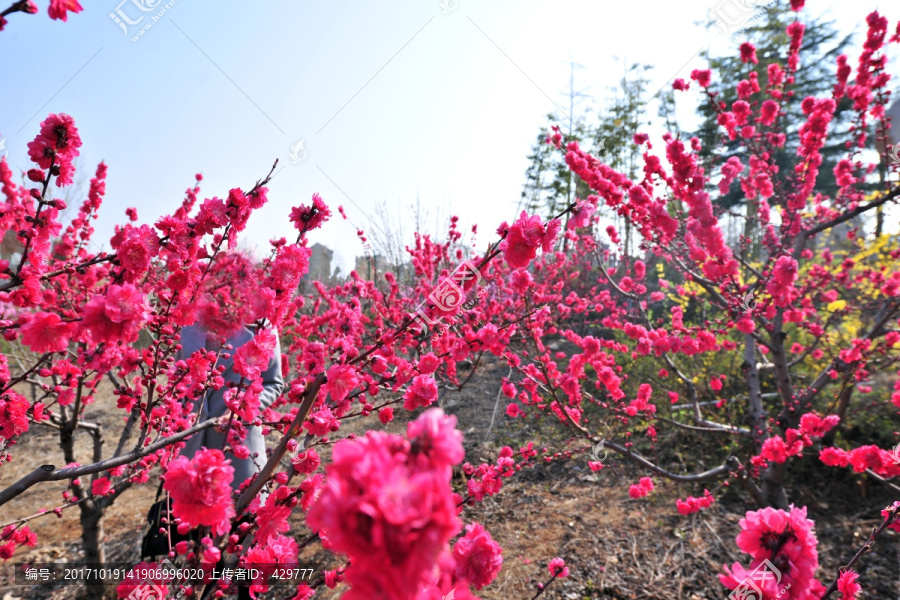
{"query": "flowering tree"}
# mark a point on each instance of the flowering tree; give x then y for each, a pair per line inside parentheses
(780, 342)
(58, 9)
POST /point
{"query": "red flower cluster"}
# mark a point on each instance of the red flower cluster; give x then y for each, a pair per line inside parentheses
(59, 9)
(200, 488)
(252, 358)
(422, 392)
(307, 218)
(387, 504)
(14, 536)
(525, 237)
(788, 541)
(641, 488)
(692, 505)
(57, 146)
(116, 316)
(478, 557)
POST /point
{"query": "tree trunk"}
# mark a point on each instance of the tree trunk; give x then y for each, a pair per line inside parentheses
(773, 486)
(92, 546)
(754, 393)
(773, 477)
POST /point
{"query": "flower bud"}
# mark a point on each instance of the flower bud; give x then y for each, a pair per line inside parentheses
(35, 175)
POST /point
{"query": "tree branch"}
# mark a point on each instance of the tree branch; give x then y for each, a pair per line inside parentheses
(51, 473)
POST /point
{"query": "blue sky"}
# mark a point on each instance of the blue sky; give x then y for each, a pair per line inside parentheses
(391, 99)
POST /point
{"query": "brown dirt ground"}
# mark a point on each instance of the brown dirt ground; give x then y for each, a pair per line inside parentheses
(616, 547)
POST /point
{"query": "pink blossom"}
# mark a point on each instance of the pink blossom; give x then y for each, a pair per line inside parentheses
(642, 488)
(702, 77)
(523, 240)
(289, 267)
(341, 380)
(776, 450)
(391, 516)
(200, 488)
(513, 410)
(46, 332)
(434, 436)
(101, 487)
(781, 285)
(322, 422)
(581, 214)
(429, 363)
(307, 462)
(553, 229)
(558, 567)
(116, 315)
(692, 505)
(253, 357)
(478, 557)
(847, 585)
(58, 144)
(58, 8)
(817, 426)
(307, 218)
(797, 557)
(834, 457)
(768, 112)
(135, 248)
(748, 53)
(521, 280)
(868, 457)
(422, 392)
(274, 515)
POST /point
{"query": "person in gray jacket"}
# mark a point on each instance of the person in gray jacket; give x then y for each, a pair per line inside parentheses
(194, 338)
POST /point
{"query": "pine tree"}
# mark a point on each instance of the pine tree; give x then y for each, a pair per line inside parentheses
(814, 77)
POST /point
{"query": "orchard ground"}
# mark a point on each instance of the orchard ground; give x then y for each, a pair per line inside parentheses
(615, 547)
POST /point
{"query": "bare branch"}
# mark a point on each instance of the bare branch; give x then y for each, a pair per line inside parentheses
(51, 473)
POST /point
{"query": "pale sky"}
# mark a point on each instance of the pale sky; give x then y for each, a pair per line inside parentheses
(391, 99)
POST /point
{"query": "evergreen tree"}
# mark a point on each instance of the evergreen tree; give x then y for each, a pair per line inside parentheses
(550, 185)
(814, 77)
